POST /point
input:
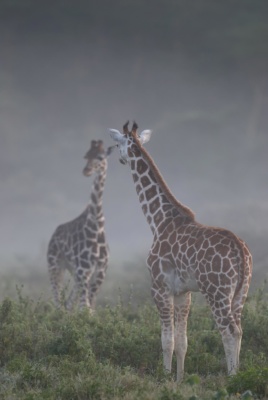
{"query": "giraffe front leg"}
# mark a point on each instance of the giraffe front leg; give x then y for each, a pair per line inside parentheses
(97, 279)
(181, 311)
(55, 275)
(72, 297)
(167, 340)
(84, 294)
(164, 304)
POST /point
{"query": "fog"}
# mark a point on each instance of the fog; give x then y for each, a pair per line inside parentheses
(65, 83)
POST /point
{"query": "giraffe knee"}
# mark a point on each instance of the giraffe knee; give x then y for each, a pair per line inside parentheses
(232, 329)
(167, 342)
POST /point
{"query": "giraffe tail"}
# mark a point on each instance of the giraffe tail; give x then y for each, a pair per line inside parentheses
(244, 271)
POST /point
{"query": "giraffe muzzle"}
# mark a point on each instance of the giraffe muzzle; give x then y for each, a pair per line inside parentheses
(87, 171)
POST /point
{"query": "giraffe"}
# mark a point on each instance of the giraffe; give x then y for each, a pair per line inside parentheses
(186, 257)
(80, 245)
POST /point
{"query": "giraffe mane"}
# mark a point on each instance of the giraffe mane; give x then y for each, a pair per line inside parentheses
(160, 180)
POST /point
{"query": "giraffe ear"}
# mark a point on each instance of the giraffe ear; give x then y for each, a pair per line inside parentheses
(117, 136)
(145, 136)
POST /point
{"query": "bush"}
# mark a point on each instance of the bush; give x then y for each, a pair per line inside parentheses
(52, 354)
(253, 379)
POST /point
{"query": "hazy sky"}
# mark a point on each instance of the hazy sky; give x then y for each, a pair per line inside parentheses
(62, 87)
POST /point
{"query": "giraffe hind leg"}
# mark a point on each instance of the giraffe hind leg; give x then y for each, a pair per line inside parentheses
(231, 338)
(229, 329)
(231, 334)
(237, 308)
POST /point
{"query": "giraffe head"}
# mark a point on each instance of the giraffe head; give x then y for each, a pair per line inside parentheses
(96, 157)
(128, 139)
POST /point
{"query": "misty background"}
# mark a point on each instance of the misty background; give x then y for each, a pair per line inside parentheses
(195, 72)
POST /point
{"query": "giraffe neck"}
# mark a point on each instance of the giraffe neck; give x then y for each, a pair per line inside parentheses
(157, 202)
(94, 208)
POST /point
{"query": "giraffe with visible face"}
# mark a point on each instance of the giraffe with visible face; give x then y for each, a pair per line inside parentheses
(80, 245)
(186, 257)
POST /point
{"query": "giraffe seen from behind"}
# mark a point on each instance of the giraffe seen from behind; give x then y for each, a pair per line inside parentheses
(186, 257)
(80, 245)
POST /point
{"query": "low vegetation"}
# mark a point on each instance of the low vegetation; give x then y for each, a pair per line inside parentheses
(116, 353)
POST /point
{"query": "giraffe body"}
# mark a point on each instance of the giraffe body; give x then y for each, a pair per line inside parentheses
(186, 257)
(80, 246)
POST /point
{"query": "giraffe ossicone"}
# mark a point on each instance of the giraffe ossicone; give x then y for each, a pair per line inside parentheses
(79, 245)
(186, 257)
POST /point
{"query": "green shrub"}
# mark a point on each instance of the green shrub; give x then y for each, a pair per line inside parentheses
(170, 394)
(52, 354)
(253, 379)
